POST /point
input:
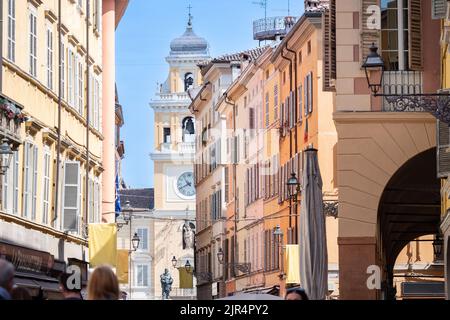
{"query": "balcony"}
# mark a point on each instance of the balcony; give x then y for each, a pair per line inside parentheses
(186, 147)
(402, 83)
(180, 96)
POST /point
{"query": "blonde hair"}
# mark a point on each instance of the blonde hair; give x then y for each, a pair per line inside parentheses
(103, 284)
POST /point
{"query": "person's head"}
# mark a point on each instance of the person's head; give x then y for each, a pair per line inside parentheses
(66, 287)
(296, 294)
(6, 275)
(103, 284)
(20, 293)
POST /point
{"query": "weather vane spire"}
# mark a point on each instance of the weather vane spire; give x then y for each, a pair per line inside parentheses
(190, 16)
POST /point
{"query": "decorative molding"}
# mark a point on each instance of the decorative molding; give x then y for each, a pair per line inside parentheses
(98, 70)
(36, 3)
(73, 40)
(33, 126)
(64, 29)
(51, 16)
(330, 209)
(49, 137)
(81, 50)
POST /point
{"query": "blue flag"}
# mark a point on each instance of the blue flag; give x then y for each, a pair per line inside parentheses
(117, 202)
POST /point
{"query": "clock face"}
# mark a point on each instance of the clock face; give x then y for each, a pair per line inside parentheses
(185, 184)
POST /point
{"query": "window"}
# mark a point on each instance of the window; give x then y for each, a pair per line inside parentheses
(70, 77)
(308, 92)
(267, 110)
(251, 115)
(227, 184)
(143, 236)
(300, 103)
(30, 183)
(46, 186)
(11, 186)
(141, 275)
(71, 195)
(49, 58)
(300, 57)
(32, 19)
(166, 133)
(284, 77)
(275, 102)
(80, 86)
(188, 81)
(394, 34)
(94, 101)
(309, 47)
(98, 15)
(12, 30)
(63, 70)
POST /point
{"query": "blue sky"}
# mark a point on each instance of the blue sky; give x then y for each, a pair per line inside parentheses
(142, 43)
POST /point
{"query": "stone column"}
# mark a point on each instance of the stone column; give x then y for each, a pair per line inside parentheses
(356, 254)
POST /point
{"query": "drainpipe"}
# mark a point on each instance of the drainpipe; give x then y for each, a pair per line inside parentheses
(88, 106)
(228, 101)
(60, 88)
(290, 135)
(295, 239)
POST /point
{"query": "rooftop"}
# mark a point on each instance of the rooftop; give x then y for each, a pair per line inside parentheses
(139, 198)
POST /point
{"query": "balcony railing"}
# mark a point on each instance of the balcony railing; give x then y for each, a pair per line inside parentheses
(186, 147)
(269, 28)
(180, 96)
(178, 293)
(402, 83)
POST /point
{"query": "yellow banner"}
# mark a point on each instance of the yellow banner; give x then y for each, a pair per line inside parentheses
(186, 279)
(122, 266)
(292, 264)
(102, 244)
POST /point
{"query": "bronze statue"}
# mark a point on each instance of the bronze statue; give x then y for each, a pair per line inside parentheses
(166, 284)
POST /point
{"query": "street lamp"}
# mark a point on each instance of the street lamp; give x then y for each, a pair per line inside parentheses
(374, 63)
(293, 187)
(135, 241)
(188, 266)
(5, 156)
(220, 256)
(278, 234)
(437, 104)
(437, 246)
(174, 262)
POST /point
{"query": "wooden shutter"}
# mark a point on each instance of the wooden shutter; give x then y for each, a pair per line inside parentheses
(368, 34)
(310, 92)
(300, 103)
(293, 115)
(438, 9)
(415, 35)
(443, 145)
(329, 47)
(282, 115)
(305, 86)
(71, 195)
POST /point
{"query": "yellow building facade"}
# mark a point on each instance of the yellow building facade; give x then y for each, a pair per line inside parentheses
(52, 70)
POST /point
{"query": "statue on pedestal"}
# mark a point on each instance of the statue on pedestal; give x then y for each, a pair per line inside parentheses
(166, 284)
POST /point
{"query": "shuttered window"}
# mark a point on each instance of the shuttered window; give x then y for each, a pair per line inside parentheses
(300, 103)
(282, 122)
(46, 187)
(415, 35)
(98, 15)
(70, 77)
(12, 30)
(63, 70)
(10, 186)
(329, 47)
(32, 20)
(438, 9)
(267, 110)
(275, 103)
(29, 180)
(443, 167)
(143, 236)
(71, 198)
(49, 41)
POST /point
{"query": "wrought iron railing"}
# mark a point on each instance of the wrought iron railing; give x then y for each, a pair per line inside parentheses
(401, 84)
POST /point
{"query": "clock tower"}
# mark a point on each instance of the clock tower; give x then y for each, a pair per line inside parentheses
(173, 157)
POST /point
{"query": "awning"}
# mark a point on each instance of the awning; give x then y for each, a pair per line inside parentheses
(273, 290)
(36, 283)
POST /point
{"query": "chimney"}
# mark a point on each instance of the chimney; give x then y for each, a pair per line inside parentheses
(235, 70)
(289, 22)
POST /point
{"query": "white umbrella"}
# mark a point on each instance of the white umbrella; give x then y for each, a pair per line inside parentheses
(312, 233)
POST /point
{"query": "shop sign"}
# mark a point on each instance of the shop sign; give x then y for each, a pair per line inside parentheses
(27, 260)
